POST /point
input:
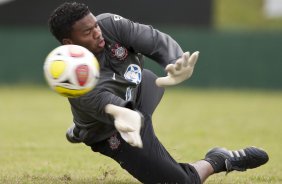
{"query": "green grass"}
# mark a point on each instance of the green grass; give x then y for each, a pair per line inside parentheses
(33, 148)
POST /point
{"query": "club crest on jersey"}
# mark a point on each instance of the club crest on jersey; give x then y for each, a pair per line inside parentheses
(114, 142)
(119, 52)
(133, 74)
(117, 17)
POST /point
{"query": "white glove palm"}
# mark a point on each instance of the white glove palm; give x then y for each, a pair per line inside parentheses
(180, 71)
(128, 123)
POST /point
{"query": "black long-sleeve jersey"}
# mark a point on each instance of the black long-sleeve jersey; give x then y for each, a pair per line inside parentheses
(121, 65)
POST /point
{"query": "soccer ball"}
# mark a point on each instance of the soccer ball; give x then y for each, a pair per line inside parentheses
(71, 70)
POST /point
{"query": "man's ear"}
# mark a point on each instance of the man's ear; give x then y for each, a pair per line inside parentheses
(67, 41)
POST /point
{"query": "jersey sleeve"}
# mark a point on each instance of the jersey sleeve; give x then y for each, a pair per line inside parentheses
(143, 39)
(94, 106)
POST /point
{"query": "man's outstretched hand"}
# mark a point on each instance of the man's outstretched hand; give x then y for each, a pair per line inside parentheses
(180, 71)
(128, 123)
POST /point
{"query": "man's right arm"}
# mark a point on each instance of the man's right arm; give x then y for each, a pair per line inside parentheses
(109, 108)
(128, 122)
(96, 101)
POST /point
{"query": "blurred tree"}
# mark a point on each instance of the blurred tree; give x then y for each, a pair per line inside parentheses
(243, 14)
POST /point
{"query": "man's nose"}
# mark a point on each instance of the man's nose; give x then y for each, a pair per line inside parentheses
(96, 33)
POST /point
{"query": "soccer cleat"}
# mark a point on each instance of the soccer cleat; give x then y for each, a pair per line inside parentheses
(222, 159)
(71, 137)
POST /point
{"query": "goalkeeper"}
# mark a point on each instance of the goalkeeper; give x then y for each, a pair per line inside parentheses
(115, 119)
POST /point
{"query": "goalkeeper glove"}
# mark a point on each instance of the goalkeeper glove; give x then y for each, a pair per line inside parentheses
(180, 71)
(128, 123)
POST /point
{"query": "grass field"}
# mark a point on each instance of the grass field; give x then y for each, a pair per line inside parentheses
(33, 148)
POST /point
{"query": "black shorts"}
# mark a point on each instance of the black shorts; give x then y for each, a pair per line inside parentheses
(152, 163)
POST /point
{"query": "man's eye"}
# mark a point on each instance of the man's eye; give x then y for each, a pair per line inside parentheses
(87, 32)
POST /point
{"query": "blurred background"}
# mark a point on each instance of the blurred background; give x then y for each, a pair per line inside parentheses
(234, 98)
(240, 41)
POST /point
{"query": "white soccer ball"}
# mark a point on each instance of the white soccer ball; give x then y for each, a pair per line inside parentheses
(71, 70)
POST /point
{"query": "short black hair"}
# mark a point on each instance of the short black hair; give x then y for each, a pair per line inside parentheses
(64, 16)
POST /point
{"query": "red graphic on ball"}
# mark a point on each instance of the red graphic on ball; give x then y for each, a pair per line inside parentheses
(82, 72)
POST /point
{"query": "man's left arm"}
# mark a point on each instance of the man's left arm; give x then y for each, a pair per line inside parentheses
(180, 71)
(161, 48)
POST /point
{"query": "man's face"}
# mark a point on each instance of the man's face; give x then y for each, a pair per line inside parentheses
(87, 33)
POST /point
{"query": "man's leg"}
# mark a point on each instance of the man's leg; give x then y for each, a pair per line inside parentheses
(152, 163)
(223, 160)
(149, 94)
(204, 169)
(148, 98)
